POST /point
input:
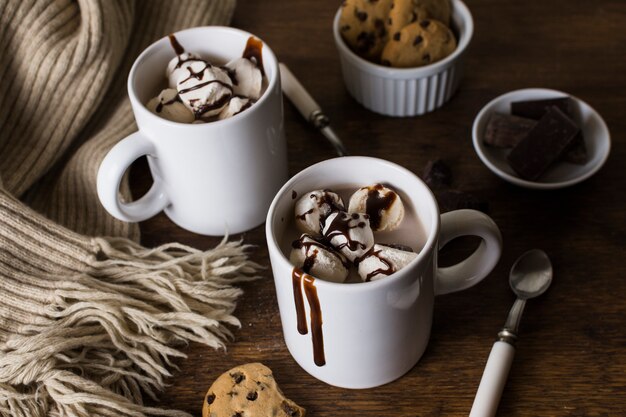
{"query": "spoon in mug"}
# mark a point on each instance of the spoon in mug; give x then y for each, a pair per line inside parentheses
(530, 277)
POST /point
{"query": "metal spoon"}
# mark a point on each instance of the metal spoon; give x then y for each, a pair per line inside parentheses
(530, 277)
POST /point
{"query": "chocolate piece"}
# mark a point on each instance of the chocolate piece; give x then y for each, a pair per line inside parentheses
(506, 131)
(450, 200)
(544, 144)
(437, 174)
(577, 154)
(535, 109)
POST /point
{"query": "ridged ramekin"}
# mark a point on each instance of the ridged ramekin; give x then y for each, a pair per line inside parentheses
(403, 92)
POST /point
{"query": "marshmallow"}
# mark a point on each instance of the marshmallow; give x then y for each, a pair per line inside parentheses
(235, 106)
(177, 68)
(383, 261)
(350, 234)
(168, 106)
(317, 259)
(205, 90)
(313, 208)
(247, 78)
(383, 205)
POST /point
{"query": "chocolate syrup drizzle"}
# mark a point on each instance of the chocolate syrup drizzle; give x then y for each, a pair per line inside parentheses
(321, 243)
(376, 203)
(159, 107)
(178, 48)
(388, 270)
(340, 226)
(301, 279)
(252, 52)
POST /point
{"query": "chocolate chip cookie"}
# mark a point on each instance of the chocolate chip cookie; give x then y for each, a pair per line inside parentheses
(362, 26)
(418, 44)
(404, 12)
(248, 391)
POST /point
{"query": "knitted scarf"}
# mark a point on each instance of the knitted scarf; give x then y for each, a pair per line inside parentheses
(89, 319)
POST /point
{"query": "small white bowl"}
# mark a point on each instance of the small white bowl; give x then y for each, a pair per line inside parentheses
(403, 92)
(562, 174)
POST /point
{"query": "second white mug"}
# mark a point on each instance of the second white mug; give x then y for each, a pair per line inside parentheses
(212, 178)
(362, 335)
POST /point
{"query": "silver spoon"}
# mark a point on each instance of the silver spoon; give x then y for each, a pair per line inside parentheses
(530, 277)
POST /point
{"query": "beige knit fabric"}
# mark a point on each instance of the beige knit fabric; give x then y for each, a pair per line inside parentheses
(88, 325)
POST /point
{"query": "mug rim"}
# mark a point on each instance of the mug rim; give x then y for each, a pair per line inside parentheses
(465, 38)
(428, 246)
(139, 106)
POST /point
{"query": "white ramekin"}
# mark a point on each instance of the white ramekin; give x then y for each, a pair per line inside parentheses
(405, 92)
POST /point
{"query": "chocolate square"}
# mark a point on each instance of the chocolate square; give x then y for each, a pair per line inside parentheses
(535, 109)
(544, 144)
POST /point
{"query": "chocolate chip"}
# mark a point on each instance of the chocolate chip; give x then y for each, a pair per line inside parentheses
(252, 395)
(237, 377)
(210, 398)
(389, 21)
(289, 410)
(345, 28)
(392, 5)
(362, 16)
(355, 216)
(344, 3)
(238, 414)
(396, 36)
(385, 63)
(413, 17)
(365, 41)
(418, 40)
(426, 57)
(425, 23)
(379, 24)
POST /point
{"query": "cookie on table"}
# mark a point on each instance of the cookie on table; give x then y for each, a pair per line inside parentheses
(248, 391)
(362, 26)
(418, 44)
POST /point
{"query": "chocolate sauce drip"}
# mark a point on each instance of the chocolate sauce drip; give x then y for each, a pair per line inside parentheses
(161, 104)
(204, 84)
(232, 75)
(177, 46)
(388, 270)
(301, 279)
(376, 203)
(309, 261)
(340, 226)
(216, 105)
(296, 277)
(253, 52)
(316, 242)
(316, 320)
(245, 106)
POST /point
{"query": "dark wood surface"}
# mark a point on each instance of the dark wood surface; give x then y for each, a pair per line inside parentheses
(571, 359)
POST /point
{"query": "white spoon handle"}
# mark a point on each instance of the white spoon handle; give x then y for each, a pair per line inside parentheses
(493, 380)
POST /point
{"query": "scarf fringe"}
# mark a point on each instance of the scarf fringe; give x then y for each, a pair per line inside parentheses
(112, 332)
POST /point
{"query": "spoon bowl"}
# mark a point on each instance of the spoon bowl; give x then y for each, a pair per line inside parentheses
(531, 274)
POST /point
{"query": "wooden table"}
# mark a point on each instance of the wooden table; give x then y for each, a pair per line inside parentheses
(571, 359)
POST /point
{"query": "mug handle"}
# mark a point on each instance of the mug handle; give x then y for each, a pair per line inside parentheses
(479, 264)
(110, 175)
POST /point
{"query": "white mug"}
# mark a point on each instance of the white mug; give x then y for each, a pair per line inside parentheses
(212, 178)
(362, 335)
